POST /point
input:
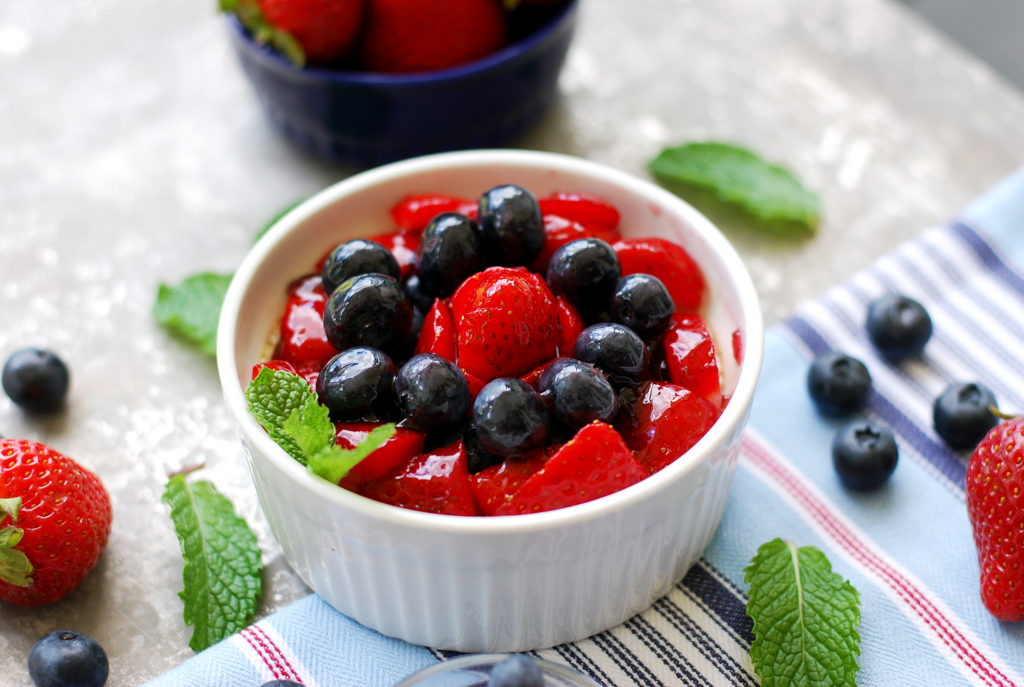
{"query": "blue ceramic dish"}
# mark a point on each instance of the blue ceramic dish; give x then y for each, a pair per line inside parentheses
(364, 119)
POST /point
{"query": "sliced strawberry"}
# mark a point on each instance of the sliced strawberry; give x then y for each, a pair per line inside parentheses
(667, 261)
(280, 365)
(415, 212)
(303, 342)
(398, 450)
(438, 332)
(506, 322)
(585, 208)
(403, 245)
(434, 482)
(664, 422)
(533, 376)
(690, 357)
(559, 231)
(594, 463)
(570, 325)
(494, 486)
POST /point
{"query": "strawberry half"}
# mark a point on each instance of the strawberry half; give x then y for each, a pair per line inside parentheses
(303, 341)
(399, 449)
(585, 208)
(434, 482)
(690, 357)
(403, 245)
(494, 486)
(664, 422)
(570, 325)
(559, 231)
(667, 261)
(438, 332)
(413, 213)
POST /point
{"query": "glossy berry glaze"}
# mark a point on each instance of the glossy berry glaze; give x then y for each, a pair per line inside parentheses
(564, 363)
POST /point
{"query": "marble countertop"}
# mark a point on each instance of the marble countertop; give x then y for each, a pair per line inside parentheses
(133, 152)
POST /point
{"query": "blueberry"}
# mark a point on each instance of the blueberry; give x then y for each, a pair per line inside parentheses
(282, 683)
(864, 454)
(66, 658)
(357, 384)
(420, 299)
(356, 257)
(642, 303)
(432, 392)
(368, 310)
(511, 225)
(518, 670)
(962, 414)
(838, 384)
(510, 418)
(614, 349)
(577, 393)
(449, 252)
(36, 379)
(898, 326)
(586, 272)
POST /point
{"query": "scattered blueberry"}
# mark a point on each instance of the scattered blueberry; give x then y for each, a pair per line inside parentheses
(449, 252)
(898, 326)
(282, 683)
(642, 303)
(357, 383)
(614, 349)
(368, 310)
(577, 393)
(355, 257)
(511, 225)
(420, 299)
(864, 454)
(510, 418)
(838, 384)
(518, 670)
(432, 392)
(36, 379)
(962, 414)
(66, 658)
(586, 272)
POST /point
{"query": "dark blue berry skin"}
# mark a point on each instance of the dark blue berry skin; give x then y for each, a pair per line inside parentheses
(642, 303)
(432, 393)
(614, 349)
(511, 225)
(898, 326)
(585, 271)
(420, 299)
(962, 415)
(66, 658)
(282, 683)
(864, 454)
(368, 310)
(510, 418)
(449, 251)
(577, 393)
(36, 379)
(356, 257)
(357, 384)
(518, 670)
(838, 384)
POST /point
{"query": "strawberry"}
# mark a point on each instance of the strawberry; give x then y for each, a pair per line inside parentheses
(594, 463)
(995, 507)
(315, 31)
(54, 522)
(434, 482)
(690, 356)
(303, 341)
(438, 332)
(494, 486)
(667, 261)
(413, 213)
(414, 36)
(399, 449)
(403, 245)
(506, 323)
(533, 376)
(663, 423)
(585, 208)
(559, 231)
(570, 325)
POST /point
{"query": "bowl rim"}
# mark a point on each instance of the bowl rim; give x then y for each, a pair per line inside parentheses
(384, 79)
(750, 323)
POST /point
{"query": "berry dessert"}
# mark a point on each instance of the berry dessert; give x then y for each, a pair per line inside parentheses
(531, 357)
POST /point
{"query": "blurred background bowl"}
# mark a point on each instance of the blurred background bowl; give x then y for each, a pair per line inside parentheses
(364, 119)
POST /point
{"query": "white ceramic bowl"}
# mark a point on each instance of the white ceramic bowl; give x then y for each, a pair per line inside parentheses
(509, 583)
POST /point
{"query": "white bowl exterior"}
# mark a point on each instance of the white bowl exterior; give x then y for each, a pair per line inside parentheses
(490, 584)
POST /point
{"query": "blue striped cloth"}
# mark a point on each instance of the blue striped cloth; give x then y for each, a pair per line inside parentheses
(907, 547)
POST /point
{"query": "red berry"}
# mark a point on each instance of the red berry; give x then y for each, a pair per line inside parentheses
(400, 448)
(403, 245)
(585, 208)
(664, 422)
(570, 325)
(559, 231)
(493, 487)
(413, 213)
(438, 332)
(325, 29)
(434, 482)
(667, 261)
(303, 341)
(995, 506)
(64, 520)
(690, 357)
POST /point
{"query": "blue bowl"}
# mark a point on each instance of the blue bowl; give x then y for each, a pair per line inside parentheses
(365, 119)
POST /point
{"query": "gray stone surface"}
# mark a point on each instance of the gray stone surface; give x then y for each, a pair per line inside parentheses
(132, 152)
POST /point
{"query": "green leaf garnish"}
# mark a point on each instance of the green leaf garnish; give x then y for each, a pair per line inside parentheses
(15, 567)
(805, 618)
(222, 573)
(191, 309)
(252, 18)
(289, 410)
(737, 176)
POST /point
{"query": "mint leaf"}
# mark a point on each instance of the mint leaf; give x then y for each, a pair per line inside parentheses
(805, 618)
(191, 309)
(738, 176)
(222, 573)
(334, 463)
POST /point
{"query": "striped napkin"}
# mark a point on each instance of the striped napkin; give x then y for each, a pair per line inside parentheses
(907, 547)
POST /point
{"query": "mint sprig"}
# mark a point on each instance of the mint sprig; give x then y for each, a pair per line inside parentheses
(191, 308)
(15, 567)
(805, 618)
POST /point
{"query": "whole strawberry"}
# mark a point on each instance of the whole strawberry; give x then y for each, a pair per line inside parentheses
(995, 506)
(316, 31)
(54, 523)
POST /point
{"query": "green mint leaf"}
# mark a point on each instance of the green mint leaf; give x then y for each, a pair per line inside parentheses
(290, 412)
(191, 309)
(805, 618)
(333, 463)
(253, 19)
(222, 572)
(737, 176)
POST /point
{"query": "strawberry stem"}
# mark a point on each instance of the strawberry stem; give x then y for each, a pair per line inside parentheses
(10, 506)
(263, 32)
